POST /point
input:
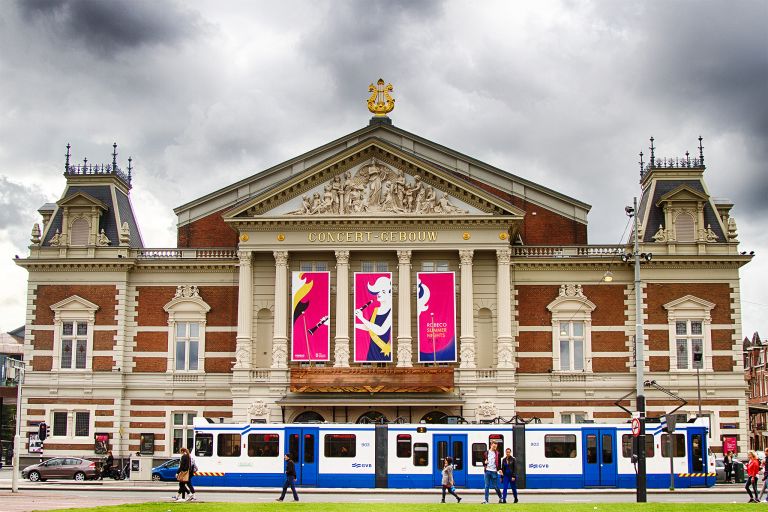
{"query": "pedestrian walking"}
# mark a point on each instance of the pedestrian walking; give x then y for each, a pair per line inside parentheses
(492, 469)
(448, 482)
(290, 478)
(728, 466)
(182, 475)
(765, 477)
(753, 468)
(508, 475)
(192, 471)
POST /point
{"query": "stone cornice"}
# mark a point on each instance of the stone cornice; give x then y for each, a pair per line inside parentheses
(426, 221)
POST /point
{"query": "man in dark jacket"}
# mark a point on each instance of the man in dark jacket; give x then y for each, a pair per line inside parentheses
(508, 475)
(107, 465)
(290, 478)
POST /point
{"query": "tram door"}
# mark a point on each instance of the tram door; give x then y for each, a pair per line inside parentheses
(453, 445)
(697, 462)
(302, 446)
(599, 456)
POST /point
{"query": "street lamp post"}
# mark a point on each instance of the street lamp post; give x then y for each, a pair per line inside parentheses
(19, 366)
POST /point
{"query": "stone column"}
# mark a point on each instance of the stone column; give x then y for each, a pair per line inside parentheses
(467, 340)
(404, 339)
(280, 338)
(341, 341)
(244, 312)
(504, 307)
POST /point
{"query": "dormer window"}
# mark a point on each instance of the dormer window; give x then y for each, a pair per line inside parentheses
(78, 234)
(685, 227)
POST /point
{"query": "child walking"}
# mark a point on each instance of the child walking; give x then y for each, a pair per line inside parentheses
(448, 483)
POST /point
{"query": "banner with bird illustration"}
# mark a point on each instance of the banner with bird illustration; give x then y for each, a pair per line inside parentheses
(310, 309)
(436, 311)
(373, 317)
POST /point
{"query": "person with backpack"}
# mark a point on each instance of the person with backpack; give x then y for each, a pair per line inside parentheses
(508, 475)
(448, 482)
(492, 467)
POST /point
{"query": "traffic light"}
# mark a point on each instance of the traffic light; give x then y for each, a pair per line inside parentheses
(42, 432)
(671, 420)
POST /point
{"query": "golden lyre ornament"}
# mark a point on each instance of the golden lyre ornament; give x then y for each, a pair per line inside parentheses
(380, 102)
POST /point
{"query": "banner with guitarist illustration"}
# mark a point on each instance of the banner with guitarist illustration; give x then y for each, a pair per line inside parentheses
(373, 317)
(310, 309)
(436, 310)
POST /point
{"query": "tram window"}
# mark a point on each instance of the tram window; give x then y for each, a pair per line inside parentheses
(560, 446)
(203, 445)
(499, 442)
(626, 446)
(678, 445)
(340, 445)
(263, 445)
(228, 445)
(478, 453)
(420, 454)
(404, 446)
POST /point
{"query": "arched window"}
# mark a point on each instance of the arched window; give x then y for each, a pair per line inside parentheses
(309, 417)
(79, 232)
(433, 417)
(372, 417)
(685, 228)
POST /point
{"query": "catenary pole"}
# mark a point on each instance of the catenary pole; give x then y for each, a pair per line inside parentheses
(639, 362)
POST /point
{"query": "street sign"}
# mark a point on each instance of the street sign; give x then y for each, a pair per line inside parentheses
(635, 427)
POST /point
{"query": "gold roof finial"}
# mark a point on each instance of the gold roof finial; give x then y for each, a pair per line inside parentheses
(380, 102)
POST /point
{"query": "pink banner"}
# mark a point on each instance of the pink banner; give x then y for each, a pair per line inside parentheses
(436, 310)
(311, 309)
(373, 317)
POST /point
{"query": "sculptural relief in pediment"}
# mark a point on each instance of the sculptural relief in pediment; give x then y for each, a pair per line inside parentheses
(373, 188)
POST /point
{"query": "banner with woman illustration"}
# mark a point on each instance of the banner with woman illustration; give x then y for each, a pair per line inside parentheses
(373, 317)
(310, 310)
(436, 311)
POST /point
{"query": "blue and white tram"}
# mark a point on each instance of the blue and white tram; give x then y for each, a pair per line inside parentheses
(411, 456)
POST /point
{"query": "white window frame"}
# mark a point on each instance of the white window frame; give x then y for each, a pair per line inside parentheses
(690, 308)
(572, 416)
(73, 309)
(187, 306)
(376, 266)
(74, 423)
(313, 266)
(67, 431)
(435, 266)
(71, 423)
(186, 427)
(571, 306)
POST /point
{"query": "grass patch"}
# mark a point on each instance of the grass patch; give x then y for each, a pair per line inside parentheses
(420, 507)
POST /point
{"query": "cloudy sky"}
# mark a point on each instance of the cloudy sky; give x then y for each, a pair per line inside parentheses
(204, 93)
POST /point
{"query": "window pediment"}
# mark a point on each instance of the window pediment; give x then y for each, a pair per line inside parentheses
(683, 193)
(187, 304)
(74, 306)
(688, 304)
(81, 199)
(571, 300)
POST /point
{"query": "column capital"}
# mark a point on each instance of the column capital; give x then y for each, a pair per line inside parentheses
(404, 257)
(244, 257)
(466, 256)
(281, 258)
(342, 257)
(504, 255)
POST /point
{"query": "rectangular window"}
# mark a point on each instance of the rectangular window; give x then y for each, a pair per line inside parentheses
(571, 346)
(340, 445)
(434, 266)
(82, 424)
(60, 423)
(204, 445)
(678, 445)
(228, 445)
(560, 446)
(263, 445)
(573, 417)
(183, 432)
(420, 454)
(626, 445)
(74, 345)
(187, 345)
(478, 453)
(313, 266)
(404, 446)
(374, 266)
(689, 344)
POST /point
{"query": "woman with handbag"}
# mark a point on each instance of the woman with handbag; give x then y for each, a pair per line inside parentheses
(182, 475)
(448, 483)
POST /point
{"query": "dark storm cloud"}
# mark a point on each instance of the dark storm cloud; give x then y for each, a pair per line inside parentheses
(17, 202)
(109, 27)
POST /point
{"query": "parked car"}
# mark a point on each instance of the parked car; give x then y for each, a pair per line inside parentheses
(720, 469)
(165, 471)
(61, 467)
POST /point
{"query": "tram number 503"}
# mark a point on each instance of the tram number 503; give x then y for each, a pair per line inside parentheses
(535, 443)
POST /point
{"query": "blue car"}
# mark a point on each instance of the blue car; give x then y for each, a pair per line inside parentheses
(166, 471)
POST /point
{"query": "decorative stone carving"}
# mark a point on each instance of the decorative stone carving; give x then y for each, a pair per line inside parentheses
(242, 357)
(404, 257)
(35, 234)
(505, 357)
(187, 291)
(56, 240)
(342, 257)
(341, 354)
(661, 235)
(279, 353)
(571, 290)
(376, 187)
(710, 235)
(404, 353)
(102, 240)
(465, 255)
(257, 409)
(125, 234)
(467, 354)
(504, 255)
(281, 258)
(732, 230)
(486, 411)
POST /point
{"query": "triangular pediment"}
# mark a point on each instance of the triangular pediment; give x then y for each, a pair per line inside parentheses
(683, 193)
(74, 303)
(81, 199)
(688, 303)
(372, 178)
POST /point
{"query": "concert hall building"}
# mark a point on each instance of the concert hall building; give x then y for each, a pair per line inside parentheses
(378, 277)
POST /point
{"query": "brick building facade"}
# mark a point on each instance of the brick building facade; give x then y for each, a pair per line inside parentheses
(132, 343)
